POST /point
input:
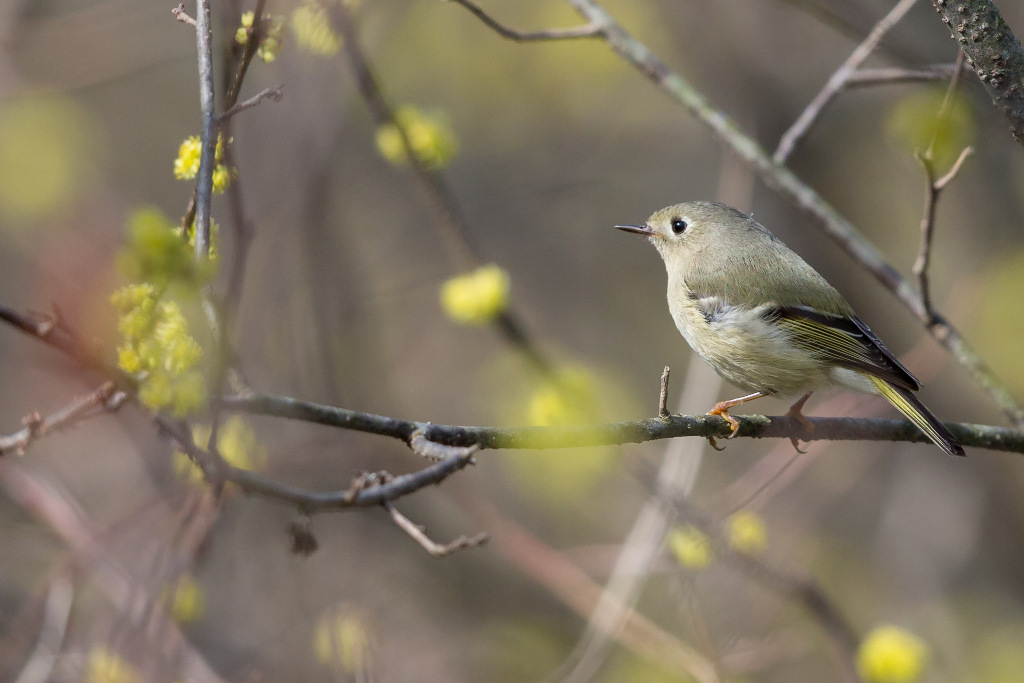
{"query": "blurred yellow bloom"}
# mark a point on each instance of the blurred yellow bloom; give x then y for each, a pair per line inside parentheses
(341, 640)
(891, 654)
(187, 601)
(312, 30)
(747, 533)
(106, 667)
(915, 122)
(691, 547)
(49, 147)
(478, 297)
(431, 139)
(569, 398)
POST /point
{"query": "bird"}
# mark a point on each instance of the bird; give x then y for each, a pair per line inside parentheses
(769, 323)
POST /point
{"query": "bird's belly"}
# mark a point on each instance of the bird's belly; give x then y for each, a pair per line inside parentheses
(748, 351)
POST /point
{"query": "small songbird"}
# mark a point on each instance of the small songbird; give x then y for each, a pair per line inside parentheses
(768, 322)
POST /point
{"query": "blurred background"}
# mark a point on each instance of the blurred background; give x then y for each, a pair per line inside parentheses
(115, 564)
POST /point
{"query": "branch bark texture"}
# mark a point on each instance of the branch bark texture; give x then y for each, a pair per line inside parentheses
(992, 51)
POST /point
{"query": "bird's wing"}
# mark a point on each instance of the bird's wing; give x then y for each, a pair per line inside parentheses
(843, 340)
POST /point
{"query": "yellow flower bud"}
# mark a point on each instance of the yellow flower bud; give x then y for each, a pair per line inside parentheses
(891, 654)
(747, 533)
(691, 547)
(478, 297)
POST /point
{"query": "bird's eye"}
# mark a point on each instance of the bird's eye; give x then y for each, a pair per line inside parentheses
(678, 225)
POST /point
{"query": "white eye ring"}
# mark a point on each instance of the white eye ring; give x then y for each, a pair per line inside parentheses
(678, 225)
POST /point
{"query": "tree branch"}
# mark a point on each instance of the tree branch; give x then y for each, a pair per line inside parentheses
(104, 399)
(992, 51)
(590, 30)
(207, 161)
(436, 549)
(891, 76)
(639, 431)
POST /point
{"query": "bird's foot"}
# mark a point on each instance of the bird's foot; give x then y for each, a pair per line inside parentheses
(795, 413)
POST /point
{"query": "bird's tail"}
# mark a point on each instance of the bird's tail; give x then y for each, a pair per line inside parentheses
(907, 403)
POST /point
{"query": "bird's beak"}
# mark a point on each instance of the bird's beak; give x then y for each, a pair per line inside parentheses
(644, 230)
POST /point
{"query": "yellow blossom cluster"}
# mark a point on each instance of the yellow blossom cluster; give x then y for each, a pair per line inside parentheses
(567, 398)
(186, 164)
(273, 35)
(891, 654)
(158, 348)
(186, 600)
(691, 547)
(430, 138)
(745, 532)
(476, 298)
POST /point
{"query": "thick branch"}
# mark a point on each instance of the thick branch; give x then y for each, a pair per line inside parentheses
(992, 51)
(755, 426)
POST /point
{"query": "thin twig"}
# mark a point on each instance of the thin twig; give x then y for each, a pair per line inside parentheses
(893, 76)
(663, 394)
(590, 30)
(207, 161)
(254, 36)
(436, 549)
(105, 399)
(755, 426)
(181, 15)
(932, 191)
(271, 93)
(792, 137)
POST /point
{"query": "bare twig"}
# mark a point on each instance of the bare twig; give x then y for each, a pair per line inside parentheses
(271, 93)
(104, 399)
(992, 51)
(792, 137)
(892, 76)
(932, 191)
(204, 181)
(436, 549)
(590, 30)
(181, 15)
(755, 426)
(663, 394)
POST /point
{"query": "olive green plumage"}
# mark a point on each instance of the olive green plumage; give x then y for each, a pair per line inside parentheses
(765, 320)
